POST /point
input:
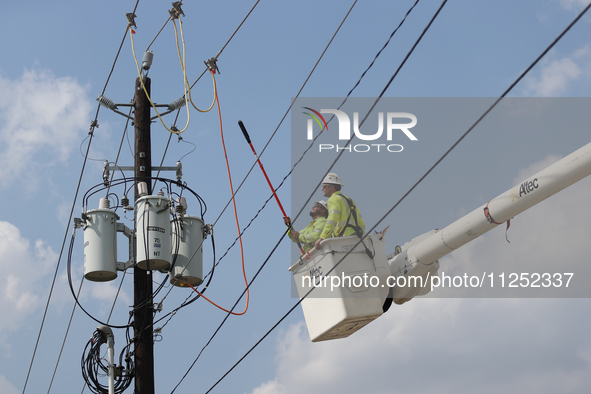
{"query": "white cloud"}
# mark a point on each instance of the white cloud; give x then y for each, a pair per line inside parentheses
(437, 345)
(41, 120)
(6, 387)
(558, 75)
(24, 266)
(574, 4)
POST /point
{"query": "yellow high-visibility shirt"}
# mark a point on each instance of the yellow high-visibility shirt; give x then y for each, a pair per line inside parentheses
(311, 233)
(338, 213)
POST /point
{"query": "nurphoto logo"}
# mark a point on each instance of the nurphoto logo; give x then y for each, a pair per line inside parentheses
(396, 122)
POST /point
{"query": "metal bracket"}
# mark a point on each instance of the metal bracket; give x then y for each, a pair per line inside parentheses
(178, 168)
(130, 234)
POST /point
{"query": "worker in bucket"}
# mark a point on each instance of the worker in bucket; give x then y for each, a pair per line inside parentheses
(344, 218)
(308, 236)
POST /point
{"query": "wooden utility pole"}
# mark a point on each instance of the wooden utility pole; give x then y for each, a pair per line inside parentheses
(143, 317)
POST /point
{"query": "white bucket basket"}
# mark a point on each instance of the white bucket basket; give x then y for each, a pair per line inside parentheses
(352, 295)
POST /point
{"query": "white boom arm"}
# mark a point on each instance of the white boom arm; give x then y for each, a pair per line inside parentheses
(419, 257)
(343, 303)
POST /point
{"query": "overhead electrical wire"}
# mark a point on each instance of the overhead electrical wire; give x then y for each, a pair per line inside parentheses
(304, 153)
(289, 108)
(453, 146)
(184, 67)
(204, 71)
(238, 28)
(272, 195)
(300, 90)
(361, 240)
(82, 281)
(141, 78)
(91, 133)
(376, 101)
(384, 47)
(157, 34)
(217, 98)
(228, 315)
(227, 42)
(254, 164)
(214, 78)
(347, 97)
(348, 94)
(64, 341)
(368, 112)
(72, 289)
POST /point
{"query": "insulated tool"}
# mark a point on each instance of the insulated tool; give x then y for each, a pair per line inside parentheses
(286, 218)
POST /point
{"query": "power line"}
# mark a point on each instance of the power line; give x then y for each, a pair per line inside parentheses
(238, 28)
(381, 50)
(64, 341)
(287, 112)
(453, 146)
(290, 106)
(91, 133)
(228, 314)
(254, 164)
(378, 99)
(203, 73)
(277, 128)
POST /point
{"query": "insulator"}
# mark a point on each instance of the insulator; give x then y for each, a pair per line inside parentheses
(179, 169)
(125, 201)
(176, 104)
(106, 102)
(147, 60)
(142, 189)
(106, 173)
(181, 206)
(104, 203)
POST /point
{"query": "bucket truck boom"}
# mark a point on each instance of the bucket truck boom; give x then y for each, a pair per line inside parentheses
(336, 314)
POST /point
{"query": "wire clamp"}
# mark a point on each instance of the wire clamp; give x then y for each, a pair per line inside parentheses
(207, 229)
(94, 124)
(212, 64)
(177, 11)
(131, 19)
(77, 222)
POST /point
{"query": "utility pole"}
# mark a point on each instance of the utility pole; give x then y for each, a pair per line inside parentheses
(142, 279)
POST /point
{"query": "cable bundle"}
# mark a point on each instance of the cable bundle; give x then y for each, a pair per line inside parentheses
(93, 367)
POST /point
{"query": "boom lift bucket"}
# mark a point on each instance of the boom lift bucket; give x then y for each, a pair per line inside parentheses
(351, 295)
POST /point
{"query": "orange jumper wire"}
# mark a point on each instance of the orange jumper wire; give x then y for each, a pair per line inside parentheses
(235, 213)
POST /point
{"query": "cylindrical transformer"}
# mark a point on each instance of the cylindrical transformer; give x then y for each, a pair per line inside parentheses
(152, 215)
(100, 245)
(187, 250)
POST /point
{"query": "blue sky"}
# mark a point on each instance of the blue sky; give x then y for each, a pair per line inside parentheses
(57, 58)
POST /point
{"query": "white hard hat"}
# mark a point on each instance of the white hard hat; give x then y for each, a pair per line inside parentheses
(323, 203)
(333, 179)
